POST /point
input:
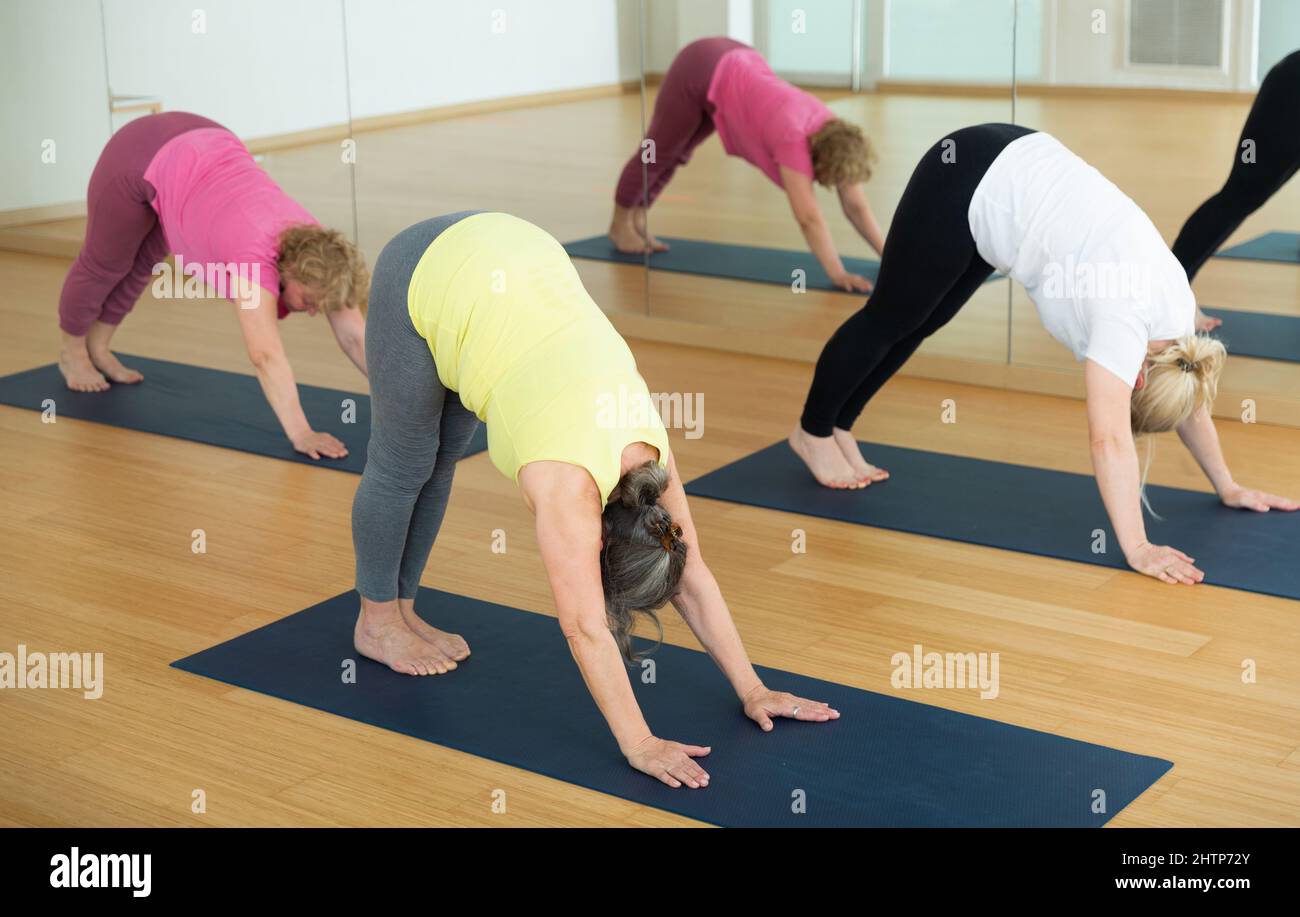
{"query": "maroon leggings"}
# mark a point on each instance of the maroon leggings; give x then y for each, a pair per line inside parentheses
(124, 239)
(682, 120)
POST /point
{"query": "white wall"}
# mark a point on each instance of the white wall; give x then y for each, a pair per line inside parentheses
(409, 54)
(52, 64)
(1279, 32)
(672, 24)
(1074, 54)
(264, 67)
(259, 67)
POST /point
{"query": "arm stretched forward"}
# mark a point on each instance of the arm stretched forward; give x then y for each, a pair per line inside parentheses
(567, 505)
(1115, 462)
(803, 204)
(257, 322)
(700, 603)
(1202, 441)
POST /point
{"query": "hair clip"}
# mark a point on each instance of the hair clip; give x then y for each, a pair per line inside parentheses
(1186, 365)
(670, 533)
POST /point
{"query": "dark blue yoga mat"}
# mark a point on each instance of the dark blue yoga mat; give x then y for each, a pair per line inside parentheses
(735, 262)
(1272, 246)
(1256, 334)
(207, 406)
(520, 699)
(1018, 508)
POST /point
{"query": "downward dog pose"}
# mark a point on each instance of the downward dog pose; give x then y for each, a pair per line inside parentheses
(1273, 129)
(1019, 201)
(482, 315)
(179, 183)
(789, 135)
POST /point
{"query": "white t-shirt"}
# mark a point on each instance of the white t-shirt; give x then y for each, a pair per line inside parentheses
(1103, 280)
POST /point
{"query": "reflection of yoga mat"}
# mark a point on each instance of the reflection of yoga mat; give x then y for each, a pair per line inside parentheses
(205, 406)
(519, 699)
(1018, 508)
(736, 262)
(1255, 334)
(1272, 246)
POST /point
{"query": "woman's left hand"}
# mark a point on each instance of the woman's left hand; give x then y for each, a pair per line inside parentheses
(761, 705)
(1239, 497)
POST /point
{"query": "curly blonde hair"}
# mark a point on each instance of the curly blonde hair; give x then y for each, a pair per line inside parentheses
(325, 262)
(841, 154)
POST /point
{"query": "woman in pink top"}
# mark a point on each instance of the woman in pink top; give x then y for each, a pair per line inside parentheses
(786, 133)
(179, 183)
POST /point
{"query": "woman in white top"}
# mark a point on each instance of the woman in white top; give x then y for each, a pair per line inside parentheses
(1004, 197)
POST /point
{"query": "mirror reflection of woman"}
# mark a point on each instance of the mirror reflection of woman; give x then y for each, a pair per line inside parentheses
(1266, 157)
(182, 184)
(1006, 197)
(482, 315)
(788, 134)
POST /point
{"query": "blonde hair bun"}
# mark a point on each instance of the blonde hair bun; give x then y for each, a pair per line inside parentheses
(1180, 380)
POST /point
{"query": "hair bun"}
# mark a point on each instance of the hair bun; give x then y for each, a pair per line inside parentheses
(641, 487)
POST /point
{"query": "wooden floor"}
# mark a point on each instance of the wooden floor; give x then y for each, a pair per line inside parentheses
(95, 546)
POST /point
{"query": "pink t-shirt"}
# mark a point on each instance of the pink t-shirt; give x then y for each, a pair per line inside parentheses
(219, 210)
(762, 118)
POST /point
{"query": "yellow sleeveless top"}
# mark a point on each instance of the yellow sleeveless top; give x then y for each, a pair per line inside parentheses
(515, 334)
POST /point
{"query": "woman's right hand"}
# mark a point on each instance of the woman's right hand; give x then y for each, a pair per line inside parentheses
(1206, 323)
(318, 444)
(1169, 565)
(670, 762)
(852, 282)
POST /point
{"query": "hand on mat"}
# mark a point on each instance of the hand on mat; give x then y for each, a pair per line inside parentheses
(318, 444)
(761, 705)
(1169, 565)
(1239, 497)
(1206, 323)
(670, 762)
(852, 282)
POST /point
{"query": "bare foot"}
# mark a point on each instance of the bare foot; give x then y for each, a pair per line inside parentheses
(853, 455)
(392, 642)
(80, 373)
(626, 239)
(108, 364)
(453, 646)
(639, 224)
(824, 459)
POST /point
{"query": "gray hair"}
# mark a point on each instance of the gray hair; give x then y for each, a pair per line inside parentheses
(643, 554)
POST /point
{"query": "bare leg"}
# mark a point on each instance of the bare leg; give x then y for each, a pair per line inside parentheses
(383, 635)
(825, 460)
(78, 370)
(103, 358)
(853, 454)
(452, 646)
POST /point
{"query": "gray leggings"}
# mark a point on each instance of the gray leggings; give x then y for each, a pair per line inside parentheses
(418, 431)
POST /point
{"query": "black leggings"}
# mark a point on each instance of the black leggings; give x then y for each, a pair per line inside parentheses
(1273, 125)
(928, 270)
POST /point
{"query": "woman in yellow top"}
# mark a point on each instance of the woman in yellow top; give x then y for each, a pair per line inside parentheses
(481, 316)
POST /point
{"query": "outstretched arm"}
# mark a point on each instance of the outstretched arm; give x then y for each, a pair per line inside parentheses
(803, 204)
(257, 322)
(1202, 440)
(700, 603)
(853, 199)
(349, 327)
(569, 535)
(1115, 462)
